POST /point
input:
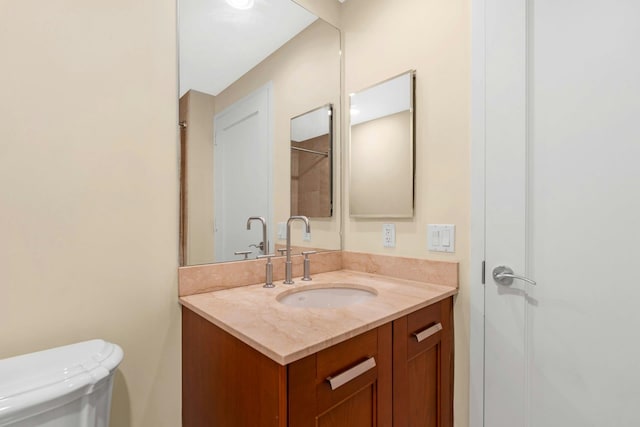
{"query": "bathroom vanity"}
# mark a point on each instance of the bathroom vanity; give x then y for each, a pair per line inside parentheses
(250, 360)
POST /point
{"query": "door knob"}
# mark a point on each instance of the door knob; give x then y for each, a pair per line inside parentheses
(258, 246)
(504, 275)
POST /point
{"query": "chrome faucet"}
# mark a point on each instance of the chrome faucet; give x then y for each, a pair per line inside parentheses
(264, 245)
(287, 264)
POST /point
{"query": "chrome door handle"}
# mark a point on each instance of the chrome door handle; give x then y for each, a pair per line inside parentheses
(258, 246)
(504, 275)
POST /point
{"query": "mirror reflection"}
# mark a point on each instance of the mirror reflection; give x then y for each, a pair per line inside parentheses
(382, 149)
(311, 166)
(244, 73)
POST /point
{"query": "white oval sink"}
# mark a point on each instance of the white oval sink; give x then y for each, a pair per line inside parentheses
(326, 296)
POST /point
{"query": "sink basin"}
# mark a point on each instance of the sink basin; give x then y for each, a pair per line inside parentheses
(332, 295)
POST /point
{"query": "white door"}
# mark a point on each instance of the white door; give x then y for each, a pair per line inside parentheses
(242, 174)
(562, 194)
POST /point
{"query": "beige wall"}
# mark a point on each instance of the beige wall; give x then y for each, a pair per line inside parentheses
(88, 184)
(305, 75)
(201, 109)
(383, 39)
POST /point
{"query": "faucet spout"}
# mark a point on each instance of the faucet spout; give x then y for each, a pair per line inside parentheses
(264, 246)
(287, 264)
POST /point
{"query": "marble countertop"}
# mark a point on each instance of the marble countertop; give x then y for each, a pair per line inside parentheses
(285, 334)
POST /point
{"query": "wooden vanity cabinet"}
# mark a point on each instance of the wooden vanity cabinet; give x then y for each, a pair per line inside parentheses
(227, 383)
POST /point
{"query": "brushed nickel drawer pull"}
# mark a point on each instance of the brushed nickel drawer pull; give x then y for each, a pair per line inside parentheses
(423, 335)
(351, 373)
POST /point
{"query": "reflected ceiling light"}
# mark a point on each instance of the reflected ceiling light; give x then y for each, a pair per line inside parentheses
(354, 111)
(240, 4)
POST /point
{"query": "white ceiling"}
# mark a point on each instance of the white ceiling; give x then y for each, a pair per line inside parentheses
(219, 44)
(381, 100)
(311, 124)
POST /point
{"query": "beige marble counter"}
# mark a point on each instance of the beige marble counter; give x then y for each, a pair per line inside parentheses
(286, 334)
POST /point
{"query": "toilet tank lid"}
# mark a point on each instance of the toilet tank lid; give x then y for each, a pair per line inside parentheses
(34, 378)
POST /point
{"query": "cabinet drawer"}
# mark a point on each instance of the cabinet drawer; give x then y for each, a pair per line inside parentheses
(355, 361)
(361, 393)
(333, 360)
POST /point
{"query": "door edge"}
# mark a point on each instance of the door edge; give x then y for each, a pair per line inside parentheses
(477, 238)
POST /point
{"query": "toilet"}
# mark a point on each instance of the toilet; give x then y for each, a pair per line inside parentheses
(66, 386)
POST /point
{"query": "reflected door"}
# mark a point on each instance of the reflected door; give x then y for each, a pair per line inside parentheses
(562, 208)
(242, 149)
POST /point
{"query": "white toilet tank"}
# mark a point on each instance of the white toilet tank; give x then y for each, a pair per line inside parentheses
(66, 386)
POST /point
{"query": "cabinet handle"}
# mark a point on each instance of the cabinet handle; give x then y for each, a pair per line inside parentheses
(351, 373)
(424, 334)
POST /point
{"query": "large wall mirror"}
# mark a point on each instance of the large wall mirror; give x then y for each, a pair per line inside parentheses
(246, 70)
(381, 151)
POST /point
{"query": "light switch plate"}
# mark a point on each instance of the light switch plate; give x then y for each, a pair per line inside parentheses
(441, 237)
(389, 235)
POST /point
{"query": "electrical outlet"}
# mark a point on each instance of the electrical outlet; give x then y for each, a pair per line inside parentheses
(306, 236)
(282, 230)
(389, 235)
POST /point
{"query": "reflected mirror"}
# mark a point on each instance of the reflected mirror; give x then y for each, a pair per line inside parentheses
(311, 166)
(381, 151)
(244, 73)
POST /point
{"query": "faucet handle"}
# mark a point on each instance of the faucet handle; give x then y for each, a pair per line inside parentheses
(268, 283)
(283, 251)
(307, 265)
(245, 253)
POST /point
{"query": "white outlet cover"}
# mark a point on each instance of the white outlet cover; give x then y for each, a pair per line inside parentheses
(389, 235)
(306, 236)
(282, 230)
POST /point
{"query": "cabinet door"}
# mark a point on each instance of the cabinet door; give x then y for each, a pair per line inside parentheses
(423, 368)
(226, 383)
(347, 385)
